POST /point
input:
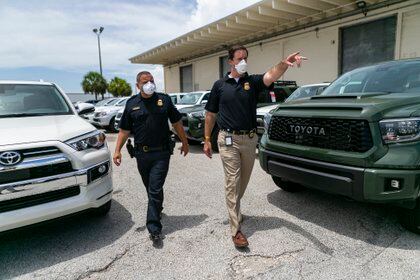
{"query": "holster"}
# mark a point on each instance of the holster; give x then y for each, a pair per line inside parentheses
(130, 148)
(172, 143)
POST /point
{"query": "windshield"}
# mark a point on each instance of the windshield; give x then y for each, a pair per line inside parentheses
(121, 102)
(303, 92)
(112, 102)
(190, 98)
(398, 76)
(103, 102)
(31, 100)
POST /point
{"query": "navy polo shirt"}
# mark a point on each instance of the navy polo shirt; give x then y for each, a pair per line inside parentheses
(236, 102)
(147, 119)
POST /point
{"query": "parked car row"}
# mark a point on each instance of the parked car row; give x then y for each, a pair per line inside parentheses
(358, 137)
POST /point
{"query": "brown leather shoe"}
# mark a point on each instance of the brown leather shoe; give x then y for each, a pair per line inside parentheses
(240, 240)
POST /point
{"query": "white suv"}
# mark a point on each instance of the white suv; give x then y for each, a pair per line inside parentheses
(52, 162)
(104, 117)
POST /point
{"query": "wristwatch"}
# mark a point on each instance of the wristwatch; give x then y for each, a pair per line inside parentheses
(207, 138)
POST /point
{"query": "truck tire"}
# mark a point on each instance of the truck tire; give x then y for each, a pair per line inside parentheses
(102, 210)
(214, 136)
(287, 185)
(111, 127)
(410, 218)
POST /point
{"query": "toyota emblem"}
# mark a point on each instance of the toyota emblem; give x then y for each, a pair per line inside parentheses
(10, 158)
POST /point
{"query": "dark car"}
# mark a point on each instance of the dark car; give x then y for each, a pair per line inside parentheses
(193, 117)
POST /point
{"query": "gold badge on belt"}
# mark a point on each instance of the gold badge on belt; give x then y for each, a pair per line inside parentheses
(246, 86)
(160, 103)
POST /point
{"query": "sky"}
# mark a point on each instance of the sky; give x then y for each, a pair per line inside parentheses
(53, 40)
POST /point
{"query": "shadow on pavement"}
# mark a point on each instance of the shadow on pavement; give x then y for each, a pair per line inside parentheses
(172, 224)
(371, 223)
(254, 224)
(29, 249)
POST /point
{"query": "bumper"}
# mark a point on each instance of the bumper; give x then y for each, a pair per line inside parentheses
(92, 194)
(362, 184)
(36, 200)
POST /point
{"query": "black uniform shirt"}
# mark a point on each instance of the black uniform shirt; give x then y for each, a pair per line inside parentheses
(147, 118)
(236, 102)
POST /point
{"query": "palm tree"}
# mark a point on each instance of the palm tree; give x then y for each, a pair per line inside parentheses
(119, 87)
(94, 83)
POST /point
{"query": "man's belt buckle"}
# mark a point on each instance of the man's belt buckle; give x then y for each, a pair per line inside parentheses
(145, 149)
(251, 134)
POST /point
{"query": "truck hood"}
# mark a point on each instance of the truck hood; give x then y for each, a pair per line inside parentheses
(373, 107)
(264, 110)
(43, 128)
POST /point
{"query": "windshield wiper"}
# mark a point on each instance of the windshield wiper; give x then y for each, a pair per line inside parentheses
(22, 115)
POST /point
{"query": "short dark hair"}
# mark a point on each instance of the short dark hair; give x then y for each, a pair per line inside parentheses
(141, 74)
(235, 48)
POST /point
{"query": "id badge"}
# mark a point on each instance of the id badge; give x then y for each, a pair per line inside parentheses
(228, 141)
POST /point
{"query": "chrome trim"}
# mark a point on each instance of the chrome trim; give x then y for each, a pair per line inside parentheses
(81, 176)
(41, 152)
(31, 163)
(15, 192)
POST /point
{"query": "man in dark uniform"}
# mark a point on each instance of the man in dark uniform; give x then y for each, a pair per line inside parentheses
(233, 101)
(146, 116)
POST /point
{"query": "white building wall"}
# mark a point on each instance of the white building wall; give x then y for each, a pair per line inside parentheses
(321, 47)
(205, 72)
(410, 34)
(172, 79)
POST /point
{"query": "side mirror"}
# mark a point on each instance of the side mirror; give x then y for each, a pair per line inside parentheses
(85, 108)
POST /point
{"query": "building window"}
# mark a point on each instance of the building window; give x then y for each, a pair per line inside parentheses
(224, 66)
(186, 79)
(368, 43)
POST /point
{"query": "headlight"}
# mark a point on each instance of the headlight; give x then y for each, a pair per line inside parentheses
(401, 130)
(267, 119)
(199, 115)
(95, 140)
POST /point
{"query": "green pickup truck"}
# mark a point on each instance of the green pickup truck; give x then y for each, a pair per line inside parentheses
(360, 138)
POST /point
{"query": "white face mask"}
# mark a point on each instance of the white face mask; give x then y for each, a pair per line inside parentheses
(241, 67)
(149, 88)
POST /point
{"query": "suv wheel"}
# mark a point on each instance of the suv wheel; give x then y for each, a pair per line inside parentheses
(102, 210)
(287, 185)
(410, 218)
(111, 126)
(214, 136)
(116, 126)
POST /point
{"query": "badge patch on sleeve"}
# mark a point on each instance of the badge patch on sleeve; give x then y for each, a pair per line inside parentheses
(246, 86)
(160, 103)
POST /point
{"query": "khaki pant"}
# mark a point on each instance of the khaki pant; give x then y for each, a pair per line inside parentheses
(238, 161)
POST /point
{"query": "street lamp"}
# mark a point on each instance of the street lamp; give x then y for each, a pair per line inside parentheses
(98, 33)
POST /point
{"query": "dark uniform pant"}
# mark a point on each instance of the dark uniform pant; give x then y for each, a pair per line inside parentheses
(153, 168)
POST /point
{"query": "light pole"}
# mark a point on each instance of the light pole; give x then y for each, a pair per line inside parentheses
(98, 33)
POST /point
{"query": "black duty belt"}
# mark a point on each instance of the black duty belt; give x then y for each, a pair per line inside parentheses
(147, 149)
(239, 132)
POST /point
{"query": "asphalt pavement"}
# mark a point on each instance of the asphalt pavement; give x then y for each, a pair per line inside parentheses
(305, 235)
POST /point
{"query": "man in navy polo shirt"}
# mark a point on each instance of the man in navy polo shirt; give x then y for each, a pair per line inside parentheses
(233, 102)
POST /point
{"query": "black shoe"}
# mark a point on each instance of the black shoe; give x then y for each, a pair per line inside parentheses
(157, 240)
(156, 236)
